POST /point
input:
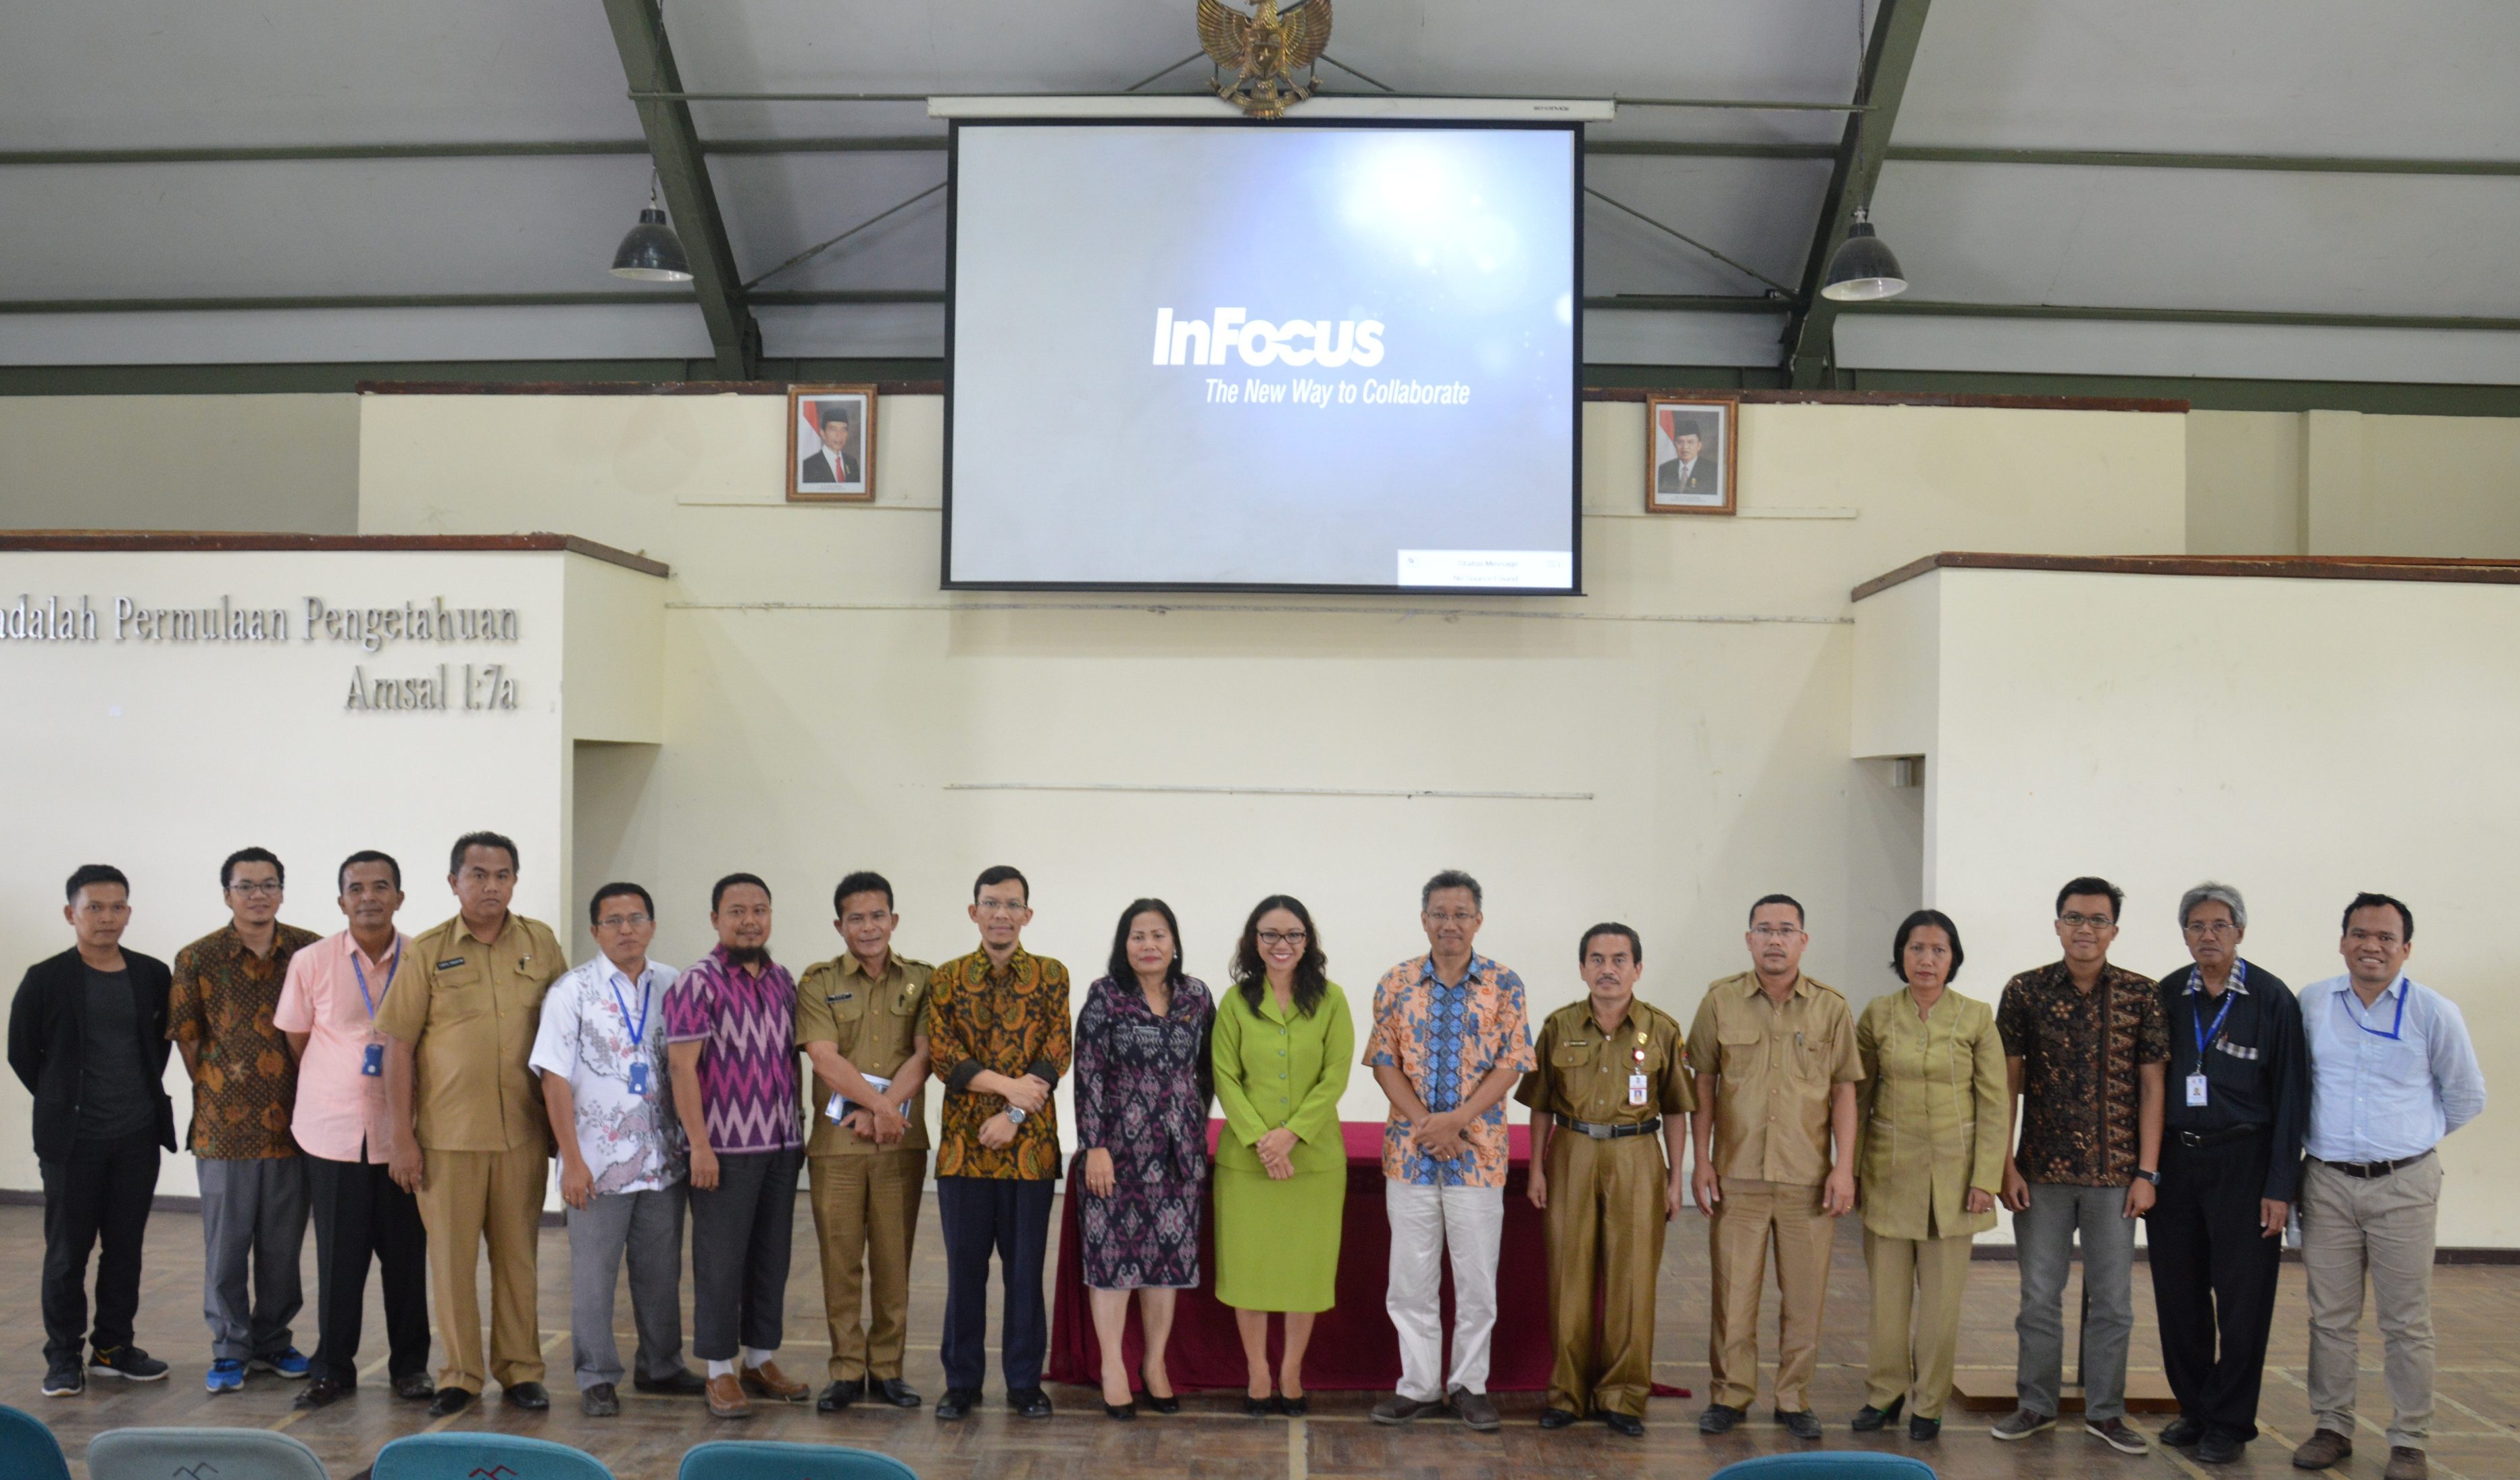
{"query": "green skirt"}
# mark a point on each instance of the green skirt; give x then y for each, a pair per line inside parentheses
(1277, 1243)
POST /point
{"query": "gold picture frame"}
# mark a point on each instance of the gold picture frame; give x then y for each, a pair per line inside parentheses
(813, 413)
(1703, 484)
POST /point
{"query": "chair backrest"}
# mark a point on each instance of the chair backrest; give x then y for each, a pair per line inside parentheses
(1827, 1464)
(199, 1454)
(459, 1454)
(758, 1460)
(29, 1449)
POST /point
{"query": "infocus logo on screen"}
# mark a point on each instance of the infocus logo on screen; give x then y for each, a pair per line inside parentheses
(1297, 342)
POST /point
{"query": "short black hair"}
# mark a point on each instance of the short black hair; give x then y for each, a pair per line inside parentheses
(594, 905)
(2090, 884)
(2369, 901)
(1917, 921)
(717, 891)
(999, 874)
(1636, 945)
(1452, 878)
(864, 881)
(472, 840)
(227, 870)
(1764, 901)
(342, 875)
(94, 873)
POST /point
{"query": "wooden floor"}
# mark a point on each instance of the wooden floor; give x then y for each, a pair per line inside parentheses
(2476, 1433)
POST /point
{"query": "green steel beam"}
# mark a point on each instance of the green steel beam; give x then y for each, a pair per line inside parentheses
(682, 171)
(2124, 159)
(1677, 149)
(255, 153)
(1686, 303)
(1888, 55)
(1929, 308)
(552, 376)
(600, 299)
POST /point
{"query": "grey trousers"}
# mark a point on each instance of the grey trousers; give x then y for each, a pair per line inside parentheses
(647, 1227)
(253, 1219)
(2383, 1226)
(2045, 1236)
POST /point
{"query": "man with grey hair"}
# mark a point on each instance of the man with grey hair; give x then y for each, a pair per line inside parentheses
(2231, 1171)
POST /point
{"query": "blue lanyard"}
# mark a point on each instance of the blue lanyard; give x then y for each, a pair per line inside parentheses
(2196, 1019)
(391, 967)
(2396, 1025)
(640, 1031)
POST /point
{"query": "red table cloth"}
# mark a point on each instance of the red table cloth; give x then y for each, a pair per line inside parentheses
(1353, 1346)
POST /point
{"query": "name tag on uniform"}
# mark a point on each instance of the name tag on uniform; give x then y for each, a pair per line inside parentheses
(2195, 1090)
(1635, 1088)
(450, 963)
(372, 1063)
(638, 1077)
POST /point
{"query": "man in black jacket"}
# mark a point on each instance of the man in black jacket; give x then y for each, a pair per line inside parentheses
(87, 1036)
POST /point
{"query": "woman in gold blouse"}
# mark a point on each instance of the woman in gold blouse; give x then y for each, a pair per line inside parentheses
(1936, 1121)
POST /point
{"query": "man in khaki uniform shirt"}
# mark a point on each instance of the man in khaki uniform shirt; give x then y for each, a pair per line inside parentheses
(1777, 1069)
(1611, 1071)
(859, 1020)
(469, 1136)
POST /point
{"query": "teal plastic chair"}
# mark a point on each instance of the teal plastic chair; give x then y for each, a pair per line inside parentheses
(27, 1450)
(454, 1455)
(1827, 1464)
(155, 1454)
(759, 1460)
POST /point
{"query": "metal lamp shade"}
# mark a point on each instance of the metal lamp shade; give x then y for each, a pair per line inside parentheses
(1864, 267)
(651, 253)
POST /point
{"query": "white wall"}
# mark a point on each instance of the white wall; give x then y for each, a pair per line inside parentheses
(267, 463)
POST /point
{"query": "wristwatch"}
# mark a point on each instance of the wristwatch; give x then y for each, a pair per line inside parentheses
(2153, 1177)
(1017, 1115)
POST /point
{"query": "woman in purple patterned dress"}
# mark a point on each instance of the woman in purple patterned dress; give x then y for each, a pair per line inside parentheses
(1143, 1080)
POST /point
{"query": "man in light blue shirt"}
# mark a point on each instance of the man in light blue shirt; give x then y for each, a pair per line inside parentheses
(2392, 1072)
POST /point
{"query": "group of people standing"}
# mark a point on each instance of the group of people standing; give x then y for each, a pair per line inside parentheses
(409, 1094)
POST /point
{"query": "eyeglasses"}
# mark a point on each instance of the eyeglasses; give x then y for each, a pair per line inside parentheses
(1775, 932)
(1283, 938)
(2215, 928)
(621, 922)
(1001, 907)
(2073, 921)
(1452, 916)
(261, 887)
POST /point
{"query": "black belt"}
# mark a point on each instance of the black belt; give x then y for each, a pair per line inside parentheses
(1607, 1133)
(2368, 1170)
(2198, 1139)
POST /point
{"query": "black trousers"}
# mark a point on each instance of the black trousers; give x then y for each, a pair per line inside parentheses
(98, 1194)
(1010, 1217)
(2214, 1281)
(360, 1214)
(741, 1232)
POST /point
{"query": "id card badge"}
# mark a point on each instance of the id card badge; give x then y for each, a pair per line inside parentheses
(1635, 1088)
(371, 1062)
(638, 1077)
(2195, 1090)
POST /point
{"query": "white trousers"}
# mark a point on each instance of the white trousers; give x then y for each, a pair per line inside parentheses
(1425, 1223)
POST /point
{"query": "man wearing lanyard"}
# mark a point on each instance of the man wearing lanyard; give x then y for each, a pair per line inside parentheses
(2231, 1167)
(2392, 1072)
(328, 1006)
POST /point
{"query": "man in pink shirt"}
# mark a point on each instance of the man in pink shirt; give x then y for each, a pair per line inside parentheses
(328, 1007)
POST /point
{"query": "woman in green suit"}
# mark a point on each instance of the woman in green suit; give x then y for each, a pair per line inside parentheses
(1282, 1047)
(1937, 1117)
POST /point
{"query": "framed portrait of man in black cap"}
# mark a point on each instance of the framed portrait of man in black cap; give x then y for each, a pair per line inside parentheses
(831, 444)
(1689, 454)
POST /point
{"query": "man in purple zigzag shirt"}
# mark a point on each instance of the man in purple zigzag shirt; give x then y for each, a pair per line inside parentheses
(731, 1041)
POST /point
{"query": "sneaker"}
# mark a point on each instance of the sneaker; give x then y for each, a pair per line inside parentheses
(2324, 1448)
(289, 1364)
(226, 1375)
(2407, 1462)
(63, 1379)
(127, 1363)
(2021, 1423)
(2117, 1435)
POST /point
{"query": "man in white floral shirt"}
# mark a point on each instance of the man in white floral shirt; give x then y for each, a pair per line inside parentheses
(600, 1051)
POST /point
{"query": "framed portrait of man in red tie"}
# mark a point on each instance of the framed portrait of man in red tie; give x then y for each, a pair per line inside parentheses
(1689, 454)
(831, 444)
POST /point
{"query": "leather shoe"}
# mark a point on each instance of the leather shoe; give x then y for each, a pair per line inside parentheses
(2183, 1433)
(2324, 1448)
(1870, 1420)
(2218, 1449)
(1718, 1418)
(685, 1383)
(1628, 1425)
(2407, 1462)
(529, 1396)
(1923, 1430)
(957, 1403)
(1477, 1410)
(767, 1381)
(1555, 1419)
(449, 1402)
(602, 1401)
(1804, 1424)
(415, 1386)
(896, 1391)
(840, 1395)
(321, 1391)
(1029, 1403)
(726, 1397)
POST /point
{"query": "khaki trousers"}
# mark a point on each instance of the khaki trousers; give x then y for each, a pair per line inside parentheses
(1753, 1218)
(866, 1217)
(465, 1195)
(1919, 1279)
(1605, 1226)
(2383, 1226)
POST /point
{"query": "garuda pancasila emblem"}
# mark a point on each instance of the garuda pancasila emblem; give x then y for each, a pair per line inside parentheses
(1263, 52)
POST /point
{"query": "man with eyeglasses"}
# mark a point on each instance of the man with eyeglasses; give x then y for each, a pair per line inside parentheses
(2084, 1044)
(87, 1036)
(600, 1052)
(1450, 1039)
(2391, 1074)
(1777, 1069)
(328, 1008)
(245, 1084)
(2230, 1167)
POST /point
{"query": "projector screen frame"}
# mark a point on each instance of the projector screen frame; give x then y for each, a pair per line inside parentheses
(1573, 128)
